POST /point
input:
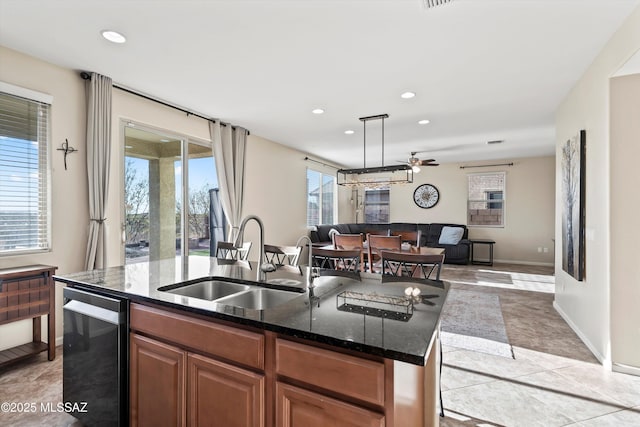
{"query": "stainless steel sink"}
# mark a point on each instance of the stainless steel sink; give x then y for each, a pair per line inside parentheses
(208, 290)
(258, 299)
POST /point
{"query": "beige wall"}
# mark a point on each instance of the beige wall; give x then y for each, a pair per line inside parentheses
(587, 305)
(69, 187)
(625, 211)
(276, 186)
(529, 210)
(275, 180)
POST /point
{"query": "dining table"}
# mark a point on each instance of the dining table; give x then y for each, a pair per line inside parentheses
(408, 250)
(422, 250)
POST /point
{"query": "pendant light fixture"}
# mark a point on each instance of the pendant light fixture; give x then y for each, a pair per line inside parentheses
(379, 176)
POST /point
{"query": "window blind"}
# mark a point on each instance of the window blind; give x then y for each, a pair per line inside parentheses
(485, 203)
(24, 197)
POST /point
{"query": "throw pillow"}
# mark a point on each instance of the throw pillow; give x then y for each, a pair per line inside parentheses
(332, 232)
(451, 235)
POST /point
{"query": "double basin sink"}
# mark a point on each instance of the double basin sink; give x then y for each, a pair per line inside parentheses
(232, 293)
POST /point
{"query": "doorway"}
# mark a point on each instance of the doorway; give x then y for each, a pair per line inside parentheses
(166, 197)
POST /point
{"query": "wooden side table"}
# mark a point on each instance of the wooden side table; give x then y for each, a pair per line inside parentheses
(28, 293)
(481, 242)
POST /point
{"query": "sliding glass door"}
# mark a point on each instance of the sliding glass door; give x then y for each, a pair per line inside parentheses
(157, 179)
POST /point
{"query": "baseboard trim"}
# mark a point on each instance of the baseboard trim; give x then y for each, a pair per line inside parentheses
(511, 261)
(603, 360)
(59, 341)
(626, 369)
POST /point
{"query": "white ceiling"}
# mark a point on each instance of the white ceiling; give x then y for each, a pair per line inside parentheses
(482, 69)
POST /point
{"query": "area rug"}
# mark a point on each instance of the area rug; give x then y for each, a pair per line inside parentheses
(473, 321)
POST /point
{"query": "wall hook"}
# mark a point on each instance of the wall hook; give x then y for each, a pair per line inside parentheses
(67, 150)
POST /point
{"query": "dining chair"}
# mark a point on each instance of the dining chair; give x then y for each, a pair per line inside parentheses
(411, 264)
(375, 244)
(377, 232)
(412, 237)
(282, 255)
(227, 250)
(337, 259)
(350, 242)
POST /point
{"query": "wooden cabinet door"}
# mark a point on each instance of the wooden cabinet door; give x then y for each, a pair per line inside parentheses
(222, 395)
(157, 383)
(296, 407)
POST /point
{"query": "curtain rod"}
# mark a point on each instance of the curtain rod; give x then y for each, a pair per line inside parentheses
(87, 76)
(309, 159)
(486, 166)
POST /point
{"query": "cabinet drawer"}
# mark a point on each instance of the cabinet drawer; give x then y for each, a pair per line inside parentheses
(236, 345)
(349, 375)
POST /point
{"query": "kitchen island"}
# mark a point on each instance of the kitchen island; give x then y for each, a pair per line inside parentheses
(353, 351)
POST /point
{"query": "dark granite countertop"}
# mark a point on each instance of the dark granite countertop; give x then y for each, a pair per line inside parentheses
(317, 316)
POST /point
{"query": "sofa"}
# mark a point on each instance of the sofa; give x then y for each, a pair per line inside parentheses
(430, 236)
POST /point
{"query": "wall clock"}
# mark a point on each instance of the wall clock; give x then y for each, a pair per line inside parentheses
(426, 196)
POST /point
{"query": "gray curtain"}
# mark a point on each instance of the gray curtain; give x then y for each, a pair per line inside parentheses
(98, 162)
(229, 145)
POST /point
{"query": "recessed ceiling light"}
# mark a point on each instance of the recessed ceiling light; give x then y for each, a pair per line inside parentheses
(317, 111)
(407, 95)
(164, 140)
(128, 146)
(114, 36)
(349, 132)
(424, 122)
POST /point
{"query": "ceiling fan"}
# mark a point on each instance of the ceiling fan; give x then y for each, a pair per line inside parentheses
(415, 162)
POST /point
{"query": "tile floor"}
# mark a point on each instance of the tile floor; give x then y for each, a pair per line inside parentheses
(553, 381)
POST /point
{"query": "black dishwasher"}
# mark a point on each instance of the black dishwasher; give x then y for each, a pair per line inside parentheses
(95, 363)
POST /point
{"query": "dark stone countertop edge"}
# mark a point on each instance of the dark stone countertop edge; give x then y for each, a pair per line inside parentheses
(294, 333)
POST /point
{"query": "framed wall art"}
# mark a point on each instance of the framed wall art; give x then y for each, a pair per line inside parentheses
(573, 205)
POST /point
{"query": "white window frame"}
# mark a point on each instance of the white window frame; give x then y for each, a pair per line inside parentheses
(364, 203)
(320, 199)
(487, 201)
(44, 170)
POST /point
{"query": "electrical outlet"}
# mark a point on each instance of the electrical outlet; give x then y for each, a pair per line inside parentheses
(545, 250)
(539, 249)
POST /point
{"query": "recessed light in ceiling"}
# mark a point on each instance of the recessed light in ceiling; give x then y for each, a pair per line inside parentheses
(349, 132)
(114, 36)
(164, 140)
(407, 95)
(432, 3)
(424, 122)
(317, 111)
(128, 146)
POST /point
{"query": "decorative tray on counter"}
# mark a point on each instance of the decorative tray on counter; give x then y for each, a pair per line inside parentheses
(385, 306)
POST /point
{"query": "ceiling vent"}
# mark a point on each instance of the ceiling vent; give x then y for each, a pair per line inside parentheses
(497, 141)
(432, 3)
